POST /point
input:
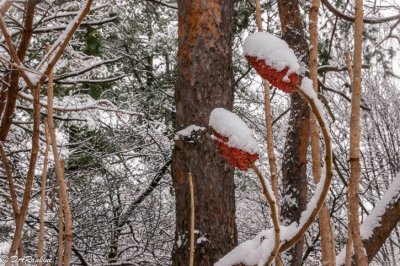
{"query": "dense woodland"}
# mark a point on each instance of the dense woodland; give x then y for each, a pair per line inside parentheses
(128, 75)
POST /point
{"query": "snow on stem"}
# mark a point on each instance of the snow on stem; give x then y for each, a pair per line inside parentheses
(267, 191)
(316, 202)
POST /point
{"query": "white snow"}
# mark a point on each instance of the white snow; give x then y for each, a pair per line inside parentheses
(251, 252)
(186, 132)
(307, 87)
(274, 51)
(34, 78)
(232, 126)
(374, 218)
(201, 239)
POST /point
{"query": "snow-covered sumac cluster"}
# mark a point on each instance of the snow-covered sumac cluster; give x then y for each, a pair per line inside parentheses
(234, 139)
(236, 157)
(273, 60)
(274, 76)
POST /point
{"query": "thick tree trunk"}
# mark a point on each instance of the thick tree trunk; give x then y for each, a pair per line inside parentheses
(295, 156)
(205, 81)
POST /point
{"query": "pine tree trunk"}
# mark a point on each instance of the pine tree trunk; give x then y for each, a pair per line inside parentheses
(295, 156)
(205, 81)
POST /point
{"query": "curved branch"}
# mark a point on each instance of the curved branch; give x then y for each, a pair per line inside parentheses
(325, 183)
(351, 19)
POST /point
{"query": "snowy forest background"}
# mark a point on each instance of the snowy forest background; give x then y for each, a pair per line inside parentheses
(115, 113)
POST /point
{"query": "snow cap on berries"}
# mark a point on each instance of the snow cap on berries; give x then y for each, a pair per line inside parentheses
(234, 139)
(273, 60)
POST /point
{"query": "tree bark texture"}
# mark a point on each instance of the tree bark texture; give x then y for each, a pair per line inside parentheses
(205, 81)
(295, 155)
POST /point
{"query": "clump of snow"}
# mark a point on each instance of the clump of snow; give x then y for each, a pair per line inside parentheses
(232, 126)
(274, 51)
(251, 252)
(307, 87)
(201, 239)
(33, 77)
(186, 132)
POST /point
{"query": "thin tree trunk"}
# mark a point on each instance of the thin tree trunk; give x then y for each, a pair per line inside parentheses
(43, 195)
(29, 179)
(270, 137)
(60, 230)
(59, 171)
(349, 241)
(14, 201)
(205, 81)
(327, 243)
(355, 132)
(191, 220)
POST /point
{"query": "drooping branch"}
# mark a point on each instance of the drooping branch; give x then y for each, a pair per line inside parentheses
(96, 105)
(86, 69)
(351, 19)
(124, 218)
